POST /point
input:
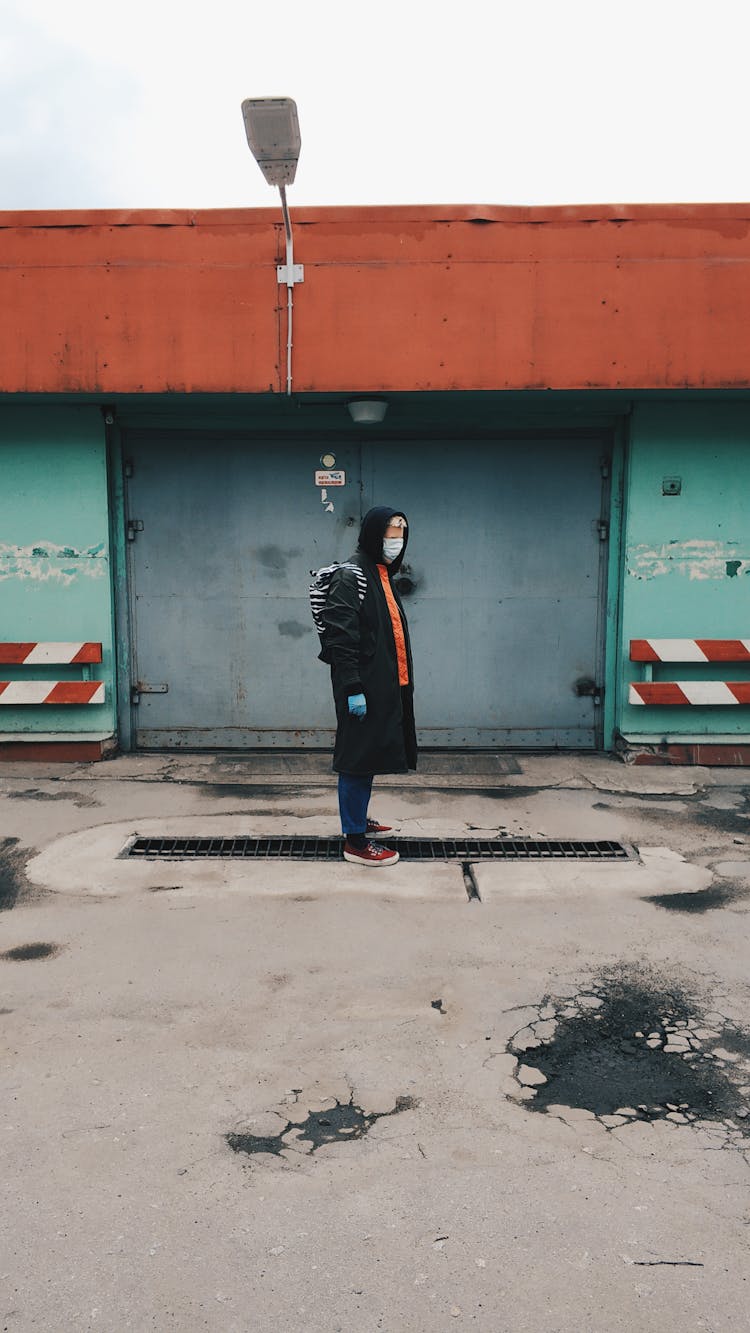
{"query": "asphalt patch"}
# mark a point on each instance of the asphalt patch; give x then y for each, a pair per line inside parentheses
(635, 1047)
(423, 795)
(723, 821)
(83, 800)
(318, 763)
(13, 881)
(696, 813)
(233, 791)
(252, 791)
(24, 953)
(341, 1123)
(700, 900)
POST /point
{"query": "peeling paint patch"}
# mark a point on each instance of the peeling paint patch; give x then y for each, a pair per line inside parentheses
(48, 562)
(694, 559)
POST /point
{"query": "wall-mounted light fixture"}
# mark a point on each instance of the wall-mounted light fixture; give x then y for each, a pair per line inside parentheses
(367, 411)
(273, 136)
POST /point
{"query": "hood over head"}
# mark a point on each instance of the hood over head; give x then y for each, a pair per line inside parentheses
(372, 532)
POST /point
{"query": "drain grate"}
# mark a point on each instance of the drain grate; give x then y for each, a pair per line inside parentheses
(409, 849)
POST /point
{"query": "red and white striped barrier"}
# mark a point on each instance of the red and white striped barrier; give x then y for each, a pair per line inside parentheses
(695, 692)
(51, 692)
(690, 693)
(690, 650)
(44, 654)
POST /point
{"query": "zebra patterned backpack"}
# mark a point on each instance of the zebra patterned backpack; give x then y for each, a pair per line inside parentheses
(321, 584)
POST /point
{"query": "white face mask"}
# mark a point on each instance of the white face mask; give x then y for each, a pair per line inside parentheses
(392, 547)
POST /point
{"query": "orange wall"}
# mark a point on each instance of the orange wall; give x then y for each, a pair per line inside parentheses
(393, 299)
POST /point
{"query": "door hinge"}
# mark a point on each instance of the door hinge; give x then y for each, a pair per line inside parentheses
(604, 467)
(142, 688)
(602, 528)
(133, 526)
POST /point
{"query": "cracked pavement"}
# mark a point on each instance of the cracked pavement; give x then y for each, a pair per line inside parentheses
(309, 1098)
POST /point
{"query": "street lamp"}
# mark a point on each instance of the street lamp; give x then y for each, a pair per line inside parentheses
(272, 130)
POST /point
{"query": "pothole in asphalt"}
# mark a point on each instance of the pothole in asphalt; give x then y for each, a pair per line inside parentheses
(23, 953)
(631, 1048)
(341, 1123)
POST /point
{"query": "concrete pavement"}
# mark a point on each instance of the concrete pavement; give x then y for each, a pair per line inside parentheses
(256, 1096)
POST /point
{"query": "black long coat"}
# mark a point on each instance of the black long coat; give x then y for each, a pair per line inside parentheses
(358, 644)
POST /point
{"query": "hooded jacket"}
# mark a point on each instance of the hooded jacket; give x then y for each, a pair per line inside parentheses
(360, 647)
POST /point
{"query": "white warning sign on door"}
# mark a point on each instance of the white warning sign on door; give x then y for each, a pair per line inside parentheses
(337, 478)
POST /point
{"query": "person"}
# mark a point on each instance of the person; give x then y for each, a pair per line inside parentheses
(366, 643)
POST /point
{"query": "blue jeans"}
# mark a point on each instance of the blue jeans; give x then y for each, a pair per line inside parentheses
(354, 798)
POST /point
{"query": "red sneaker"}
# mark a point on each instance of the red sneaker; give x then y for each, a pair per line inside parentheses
(374, 826)
(370, 855)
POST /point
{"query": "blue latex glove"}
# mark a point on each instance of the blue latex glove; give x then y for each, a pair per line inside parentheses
(357, 706)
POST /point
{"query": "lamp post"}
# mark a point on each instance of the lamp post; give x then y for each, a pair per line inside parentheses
(272, 130)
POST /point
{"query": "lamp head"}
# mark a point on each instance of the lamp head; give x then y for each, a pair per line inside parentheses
(367, 411)
(272, 130)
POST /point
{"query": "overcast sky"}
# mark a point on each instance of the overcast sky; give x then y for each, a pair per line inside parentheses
(400, 101)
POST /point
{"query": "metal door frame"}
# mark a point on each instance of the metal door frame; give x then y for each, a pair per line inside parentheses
(125, 585)
(120, 585)
(608, 601)
(607, 464)
(607, 566)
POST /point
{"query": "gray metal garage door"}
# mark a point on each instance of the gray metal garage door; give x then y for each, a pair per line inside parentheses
(503, 586)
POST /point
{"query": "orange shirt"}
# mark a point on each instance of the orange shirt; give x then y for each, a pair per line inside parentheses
(398, 627)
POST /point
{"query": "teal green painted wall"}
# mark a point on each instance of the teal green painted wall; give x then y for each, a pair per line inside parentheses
(54, 555)
(686, 558)
(682, 569)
